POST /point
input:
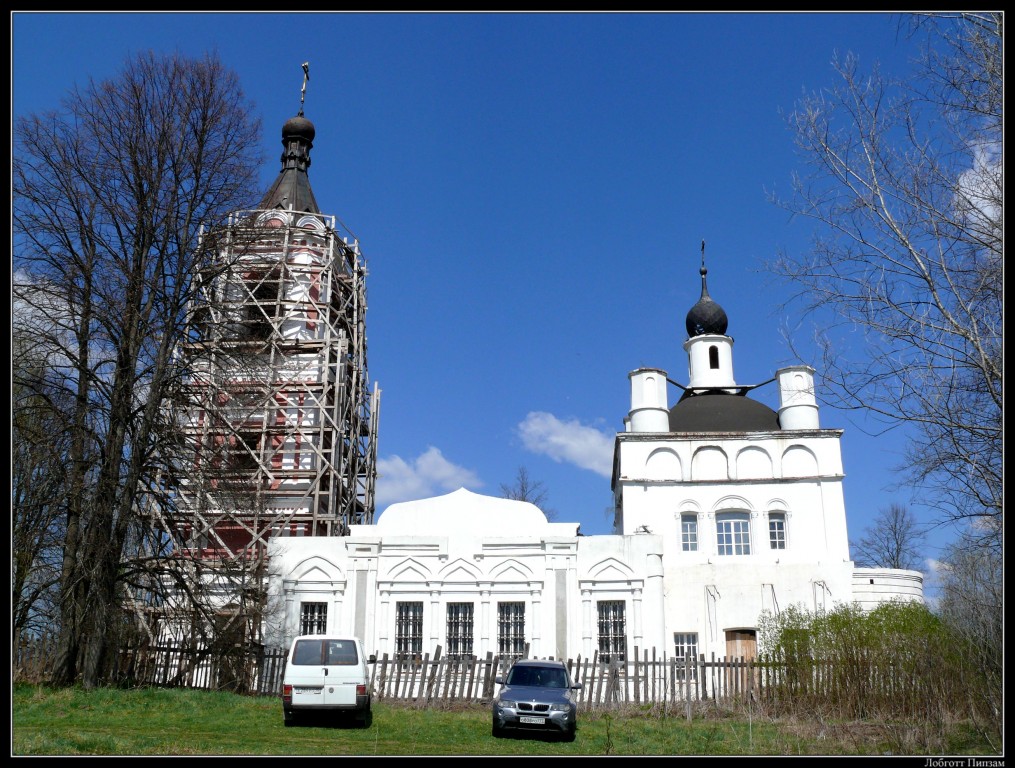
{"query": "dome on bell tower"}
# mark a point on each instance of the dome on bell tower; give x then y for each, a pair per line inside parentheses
(291, 189)
(706, 317)
(298, 127)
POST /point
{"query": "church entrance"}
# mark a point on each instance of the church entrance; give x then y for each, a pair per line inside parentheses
(741, 648)
(741, 642)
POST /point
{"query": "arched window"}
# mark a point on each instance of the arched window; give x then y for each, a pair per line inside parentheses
(733, 533)
(777, 530)
(311, 222)
(713, 357)
(689, 532)
(274, 218)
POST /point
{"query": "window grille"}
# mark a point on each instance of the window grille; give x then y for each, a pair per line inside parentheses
(612, 630)
(510, 630)
(460, 618)
(408, 628)
(313, 618)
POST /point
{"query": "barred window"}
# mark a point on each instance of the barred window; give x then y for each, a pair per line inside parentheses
(313, 618)
(612, 630)
(689, 533)
(460, 630)
(511, 630)
(777, 530)
(408, 628)
(685, 647)
(733, 533)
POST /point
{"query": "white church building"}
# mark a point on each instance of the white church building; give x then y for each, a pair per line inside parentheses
(725, 509)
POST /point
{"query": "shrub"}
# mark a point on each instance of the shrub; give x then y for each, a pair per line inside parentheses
(897, 661)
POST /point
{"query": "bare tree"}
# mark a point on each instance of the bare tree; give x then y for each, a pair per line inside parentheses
(38, 456)
(904, 180)
(893, 540)
(532, 491)
(110, 194)
(972, 602)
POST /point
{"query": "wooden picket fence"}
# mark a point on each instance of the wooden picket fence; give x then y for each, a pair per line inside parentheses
(244, 670)
(426, 679)
(860, 686)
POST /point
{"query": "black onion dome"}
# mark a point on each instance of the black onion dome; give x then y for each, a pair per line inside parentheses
(718, 411)
(291, 189)
(298, 127)
(706, 316)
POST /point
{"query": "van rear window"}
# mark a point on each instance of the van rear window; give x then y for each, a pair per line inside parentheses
(325, 652)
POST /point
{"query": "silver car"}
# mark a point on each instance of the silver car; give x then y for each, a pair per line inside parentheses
(537, 696)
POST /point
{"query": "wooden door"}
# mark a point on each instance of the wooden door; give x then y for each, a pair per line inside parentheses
(741, 644)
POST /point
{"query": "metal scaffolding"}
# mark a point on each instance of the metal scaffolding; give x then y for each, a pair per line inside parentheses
(276, 421)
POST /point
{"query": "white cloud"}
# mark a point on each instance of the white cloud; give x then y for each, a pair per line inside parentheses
(570, 442)
(429, 474)
(936, 572)
(937, 567)
(981, 189)
(42, 323)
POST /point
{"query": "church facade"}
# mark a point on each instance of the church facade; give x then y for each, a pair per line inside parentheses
(724, 509)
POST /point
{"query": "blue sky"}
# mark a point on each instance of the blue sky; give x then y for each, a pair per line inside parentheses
(530, 192)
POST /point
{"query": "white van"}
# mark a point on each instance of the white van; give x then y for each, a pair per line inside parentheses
(326, 674)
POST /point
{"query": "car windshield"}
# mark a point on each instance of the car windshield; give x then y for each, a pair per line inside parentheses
(538, 677)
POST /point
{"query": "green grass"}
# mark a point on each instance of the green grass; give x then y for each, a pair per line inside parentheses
(72, 721)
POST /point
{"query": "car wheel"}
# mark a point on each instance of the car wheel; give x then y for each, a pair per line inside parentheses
(569, 734)
(497, 732)
(289, 718)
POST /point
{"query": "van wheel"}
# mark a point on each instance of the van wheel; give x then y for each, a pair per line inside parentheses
(289, 720)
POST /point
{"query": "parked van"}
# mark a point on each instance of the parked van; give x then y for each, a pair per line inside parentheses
(325, 674)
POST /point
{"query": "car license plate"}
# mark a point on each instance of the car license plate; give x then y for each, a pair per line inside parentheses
(307, 690)
(533, 720)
